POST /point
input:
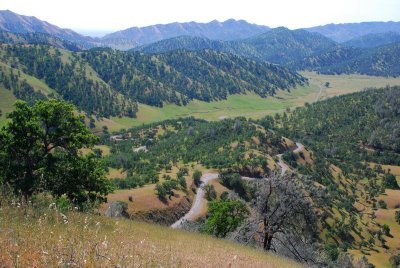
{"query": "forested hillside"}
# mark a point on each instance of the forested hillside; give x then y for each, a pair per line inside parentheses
(108, 82)
(181, 76)
(355, 143)
(379, 61)
(279, 45)
(70, 78)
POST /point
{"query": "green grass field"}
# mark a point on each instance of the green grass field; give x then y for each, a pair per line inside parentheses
(6, 101)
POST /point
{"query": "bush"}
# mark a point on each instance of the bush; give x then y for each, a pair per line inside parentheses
(182, 183)
(397, 216)
(332, 251)
(390, 182)
(210, 193)
(382, 204)
(235, 182)
(225, 216)
(395, 260)
(197, 178)
(386, 229)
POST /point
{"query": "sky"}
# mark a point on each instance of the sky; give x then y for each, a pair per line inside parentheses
(101, 16)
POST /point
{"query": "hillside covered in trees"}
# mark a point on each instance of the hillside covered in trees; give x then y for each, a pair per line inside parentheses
(355, 144)
(107, 82)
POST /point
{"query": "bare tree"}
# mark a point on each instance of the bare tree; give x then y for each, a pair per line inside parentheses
(284, 219)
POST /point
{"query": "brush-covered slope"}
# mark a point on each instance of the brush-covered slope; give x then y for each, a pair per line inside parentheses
(379, 61)
(63, 74)
(181, 76)
(279, 45)
(356, 151)
(282, 45)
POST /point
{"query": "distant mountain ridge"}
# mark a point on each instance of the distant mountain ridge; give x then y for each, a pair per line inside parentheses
(347, 31)
(13, 22)
(374, 40)
(279, 45)
(224, 31)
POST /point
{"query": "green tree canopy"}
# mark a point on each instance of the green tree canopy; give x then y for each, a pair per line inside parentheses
(225, 216)
(39, 151)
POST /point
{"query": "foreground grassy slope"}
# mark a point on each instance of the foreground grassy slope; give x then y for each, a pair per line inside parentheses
(47, 238)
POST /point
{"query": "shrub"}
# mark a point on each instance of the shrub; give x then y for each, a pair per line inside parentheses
(382, 204)
(210, 192)
(225, 216)
(197, 178)
(390, 182)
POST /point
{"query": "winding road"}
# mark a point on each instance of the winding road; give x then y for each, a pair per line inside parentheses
(199, 200)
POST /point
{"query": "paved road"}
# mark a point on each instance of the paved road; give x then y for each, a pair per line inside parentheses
(198, 201)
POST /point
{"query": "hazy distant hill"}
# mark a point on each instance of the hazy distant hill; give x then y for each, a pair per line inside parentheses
(13, 22)
(347, 31)
(227, 30)
(282, 45)
(374, 40)
(38, 39)
(279, 45)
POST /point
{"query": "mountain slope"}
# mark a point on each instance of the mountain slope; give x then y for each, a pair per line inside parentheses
(38, 39)
(13, 22)
(227, 30)
(347, 31)
(279, 45)
(282, 45)
(62, 74)
(380, 61)
(107, 82)
(374, 40)
(181, 76)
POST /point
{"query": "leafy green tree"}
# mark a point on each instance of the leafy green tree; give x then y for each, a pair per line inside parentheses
(397, 216)
(390, 182)
(182, 183)
(196, 178)
(161, 192)
(42, 145)
(386, 229)
(225, 216)
(210, 192)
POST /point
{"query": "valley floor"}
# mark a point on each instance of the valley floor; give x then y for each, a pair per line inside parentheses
(253, 106)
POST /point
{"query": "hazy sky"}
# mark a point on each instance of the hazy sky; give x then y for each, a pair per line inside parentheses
(102, 15)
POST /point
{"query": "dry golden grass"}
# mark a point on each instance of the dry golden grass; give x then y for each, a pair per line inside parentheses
(47, 238)
(144, 199)
(114, 173)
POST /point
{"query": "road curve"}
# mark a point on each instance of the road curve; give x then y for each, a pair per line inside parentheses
(195, 210)
(198, 201)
